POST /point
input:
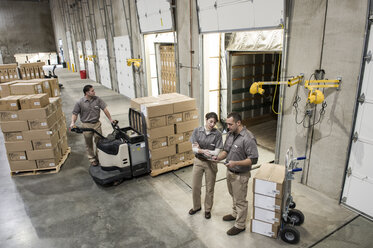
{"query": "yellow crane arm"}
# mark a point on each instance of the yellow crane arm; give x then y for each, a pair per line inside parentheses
(257, 86)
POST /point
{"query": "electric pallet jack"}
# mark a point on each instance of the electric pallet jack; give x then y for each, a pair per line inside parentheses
(123, 154)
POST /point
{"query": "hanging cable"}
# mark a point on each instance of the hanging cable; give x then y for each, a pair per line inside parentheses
(274, 95)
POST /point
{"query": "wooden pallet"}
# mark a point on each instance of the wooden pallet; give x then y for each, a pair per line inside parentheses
(173, 167)
(40, 171)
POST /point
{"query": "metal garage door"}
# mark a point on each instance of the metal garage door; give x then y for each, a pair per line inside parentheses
(358, 188)
(154, 16)
(235, 15)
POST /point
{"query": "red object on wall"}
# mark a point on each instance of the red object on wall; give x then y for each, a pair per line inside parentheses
(83, 74)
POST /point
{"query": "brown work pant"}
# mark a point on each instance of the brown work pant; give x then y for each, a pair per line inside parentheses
(237, 187)
(91, 138)
(210, 169)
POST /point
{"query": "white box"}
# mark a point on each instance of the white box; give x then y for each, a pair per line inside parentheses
(267, 202)
(264, 228)
(269, 180)
(266, 215)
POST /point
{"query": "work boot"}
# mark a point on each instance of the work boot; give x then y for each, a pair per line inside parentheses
(234, 231)
(229, 217)
(207, 215)
(192, 211)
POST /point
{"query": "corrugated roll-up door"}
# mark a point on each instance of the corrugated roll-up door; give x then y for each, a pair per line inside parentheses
(358, 188)
(154, 16)
(236, 15)
(168, 70)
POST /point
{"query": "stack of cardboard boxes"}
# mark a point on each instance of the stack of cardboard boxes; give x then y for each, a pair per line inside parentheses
(49, 86)
(171, 119)
(268, 199)
(32, 70)
(8, 72)
(34, 128)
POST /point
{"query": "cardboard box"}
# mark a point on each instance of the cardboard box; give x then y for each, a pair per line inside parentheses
(47, 163)
(159, 163)
(46, 88)
(41, 71)
(269, 180)
(163, 152)
(5, 89)
(186, 126)
(54, 86)
(156, 109)
(160, 132)
(8, 115)
(174, 118)
(32, 73)
(28, 75)
(34, 101)
(173, 95)
(62, 129)
(22, 165)
(42, 123)
(14, 126)
(155, 122)
(28, 88)
(267, 202)
(177, 158)
(43, 154)
(264, 228)
(18, 146)
(39, 134)
(41, 113)
(56, 102)
(190, 115)
(137, 102)
(36, 71)
(187, 135)
(22, 70)
(17, 156)
(181, 105)
(175, 139)
(265, 215)
(189, 155)
(59, 113)
(10, 103)
(40, 144)
(184, 147)
(157, 143)
(63, 145)
(13, 136)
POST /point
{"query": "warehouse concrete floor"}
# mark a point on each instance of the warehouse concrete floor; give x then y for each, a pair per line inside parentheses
(68, 209)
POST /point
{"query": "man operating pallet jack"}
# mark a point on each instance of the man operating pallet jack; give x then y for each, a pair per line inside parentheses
(89, 107)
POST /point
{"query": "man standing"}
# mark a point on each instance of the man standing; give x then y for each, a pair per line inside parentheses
(89, 107)
(241, 152)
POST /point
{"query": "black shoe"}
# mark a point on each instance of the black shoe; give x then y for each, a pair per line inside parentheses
(207, 215)
(229, 217)
(234, 231)
(192, 211)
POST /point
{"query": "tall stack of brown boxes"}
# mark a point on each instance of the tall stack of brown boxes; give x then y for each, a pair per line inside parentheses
(171, 119)
(268, 199)
(8, 72)
(34, 128)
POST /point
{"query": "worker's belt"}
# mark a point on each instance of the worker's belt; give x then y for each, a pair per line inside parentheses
(91, 122)
(235, 172)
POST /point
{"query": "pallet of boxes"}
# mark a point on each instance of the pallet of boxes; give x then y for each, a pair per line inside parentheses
(8, 72)
(268, 193)
(32, 70)
(34, 128)
(171, 119)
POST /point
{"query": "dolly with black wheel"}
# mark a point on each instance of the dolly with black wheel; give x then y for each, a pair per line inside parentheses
(291, 217)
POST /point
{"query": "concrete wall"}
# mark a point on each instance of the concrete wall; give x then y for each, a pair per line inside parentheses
(25, 27)
(339, 53)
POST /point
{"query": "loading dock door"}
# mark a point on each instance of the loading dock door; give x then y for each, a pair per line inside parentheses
(236, 15)
(154, 16)
(358, 188)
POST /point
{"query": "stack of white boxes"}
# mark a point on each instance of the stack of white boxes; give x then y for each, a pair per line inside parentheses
(267, 199)
(171, 119)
